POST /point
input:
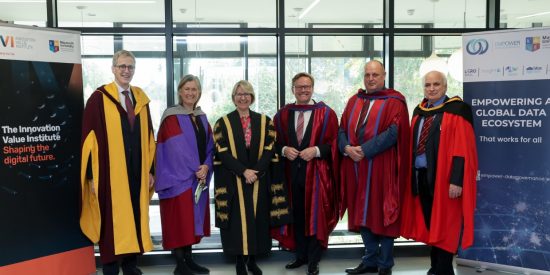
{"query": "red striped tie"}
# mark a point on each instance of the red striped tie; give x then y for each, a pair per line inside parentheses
(129, 109)
(428, 121)
(300, 128)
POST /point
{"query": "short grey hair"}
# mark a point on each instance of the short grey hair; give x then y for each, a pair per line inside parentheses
(247, 87)
(188, 78)
(443, 77)
(123, 53)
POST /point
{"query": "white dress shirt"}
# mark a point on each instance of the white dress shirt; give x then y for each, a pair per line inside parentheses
(307, 116)
(122, 97)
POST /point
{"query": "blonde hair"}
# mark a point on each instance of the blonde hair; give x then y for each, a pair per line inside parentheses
(247, 87)
(185, 79)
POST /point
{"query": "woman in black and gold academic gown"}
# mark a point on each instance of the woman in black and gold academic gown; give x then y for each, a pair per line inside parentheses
(249, 197)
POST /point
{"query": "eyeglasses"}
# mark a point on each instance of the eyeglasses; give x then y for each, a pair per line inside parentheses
(243, 95)
(303, 87)
(123, 67)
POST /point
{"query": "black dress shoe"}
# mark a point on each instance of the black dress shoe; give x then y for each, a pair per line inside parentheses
(254, 268)
(384, 271)
(362, 268)
(241, 269)
(131, 271)
(313, 269)
(295, 264)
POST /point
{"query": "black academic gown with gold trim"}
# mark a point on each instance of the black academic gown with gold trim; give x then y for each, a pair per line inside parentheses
(245, 212)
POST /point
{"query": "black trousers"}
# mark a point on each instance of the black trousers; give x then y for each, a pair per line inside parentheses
(127, 263)
(442, 262)
(308, 248)
(426, 197)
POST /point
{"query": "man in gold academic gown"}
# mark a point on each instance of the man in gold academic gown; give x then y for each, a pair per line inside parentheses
(118, 148)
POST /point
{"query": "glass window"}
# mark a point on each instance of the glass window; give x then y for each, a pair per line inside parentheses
(296, 45)
(84, 13)
(408, 43)
(524, 13)
(407, 78)
(97, 45)
(302, 14)
(336, 63)
(30, 13)
(466, 13)
(222, 61)
(337, 43)
(144, 43)
(258, 13)
(261, 45)
(213, 43)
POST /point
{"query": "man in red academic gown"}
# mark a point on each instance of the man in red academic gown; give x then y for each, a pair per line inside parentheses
(374, 138)
(306, 137)
(118, 148)
(441, 198)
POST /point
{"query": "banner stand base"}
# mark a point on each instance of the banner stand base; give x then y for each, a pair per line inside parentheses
(482, 266)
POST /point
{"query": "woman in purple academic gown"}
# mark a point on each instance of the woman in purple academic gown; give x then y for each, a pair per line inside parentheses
(184, 167)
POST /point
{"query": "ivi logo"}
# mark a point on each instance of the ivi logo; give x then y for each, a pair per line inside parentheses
(7, 41)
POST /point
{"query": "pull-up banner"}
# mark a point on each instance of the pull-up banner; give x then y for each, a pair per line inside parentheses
(507, 83)
(40, 120)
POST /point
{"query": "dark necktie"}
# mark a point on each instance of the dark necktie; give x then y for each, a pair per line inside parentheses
(428, 121)
(361, 123)
(129, 109)
(300, 128)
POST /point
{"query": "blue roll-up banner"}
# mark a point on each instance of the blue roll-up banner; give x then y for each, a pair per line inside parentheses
(507, 83)
(41, 103)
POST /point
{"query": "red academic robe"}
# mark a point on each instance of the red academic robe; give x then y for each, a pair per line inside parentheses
(321, 200)
(372, 188)
(457, 139)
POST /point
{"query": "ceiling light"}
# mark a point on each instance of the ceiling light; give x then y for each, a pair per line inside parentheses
(306, 11)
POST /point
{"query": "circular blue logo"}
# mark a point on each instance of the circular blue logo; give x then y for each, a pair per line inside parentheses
(477, 46)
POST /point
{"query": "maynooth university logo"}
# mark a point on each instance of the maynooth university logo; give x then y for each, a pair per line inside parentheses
(477, 46)
(54, 46)
(532, 43)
